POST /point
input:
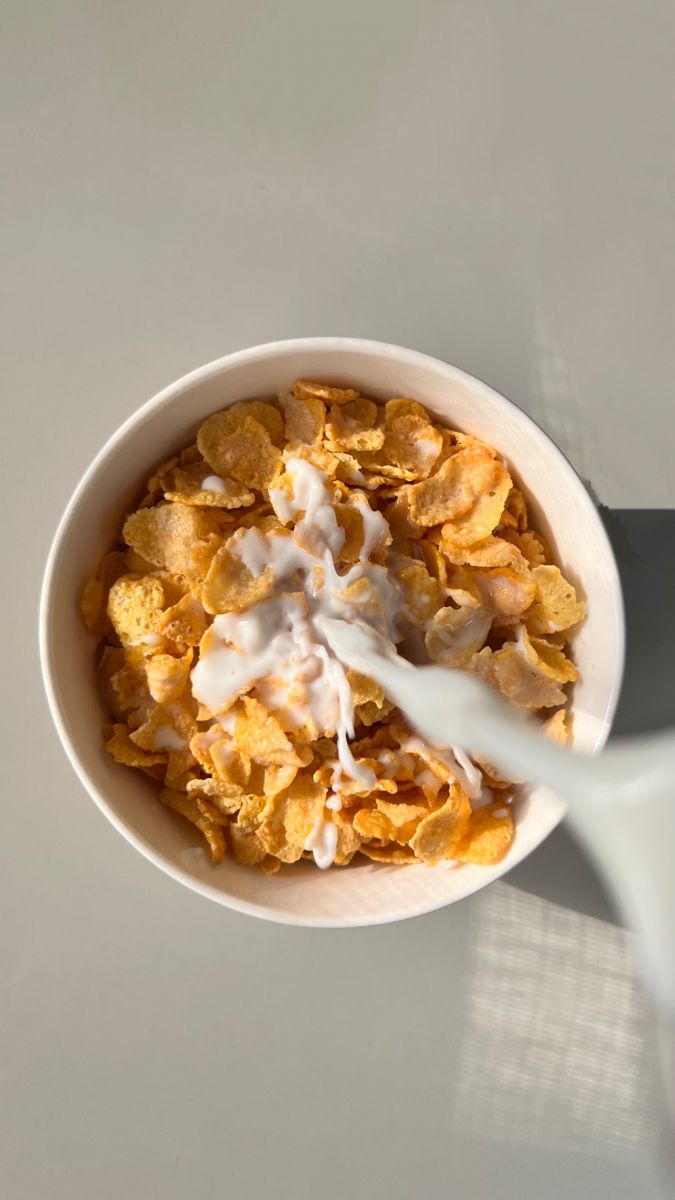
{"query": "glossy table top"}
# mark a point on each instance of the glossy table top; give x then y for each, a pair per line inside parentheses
(489, 183)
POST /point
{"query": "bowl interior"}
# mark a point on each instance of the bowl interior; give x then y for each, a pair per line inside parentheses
(369, 892)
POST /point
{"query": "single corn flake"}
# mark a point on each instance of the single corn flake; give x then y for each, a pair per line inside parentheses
(402, 815)
(491, 552)
(94, 599)
(290, 816)
(369, 712)
(234, 766)
(127, 678)
(506, 591)
(409, 452)
(523, 678)
(278, 777)
(124, 750)
(551, 660)
(392, 854)
(371, 824)
(364, 689)
(422, 594)
(258, 733)
(515, 511)
(196, 484)
(390, 822)
(188, 807)
(226, 798)
(455, 634)
(184, 622)
(230, 420)
(168, 535)
(247, 455)
(399, 519)
(555, 607)
(135, 609)
(348, 840)
(305, 419)
(168, 730)
(438, 834)
(247, 847)
(401, 406)
(230, 586)
(533, 546)
(350, 519)
(466, 495)
(168, 676)
(305, 389)
(488, 835)
(352, 426)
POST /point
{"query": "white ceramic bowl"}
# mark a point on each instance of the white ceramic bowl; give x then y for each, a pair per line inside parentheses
(361, 894)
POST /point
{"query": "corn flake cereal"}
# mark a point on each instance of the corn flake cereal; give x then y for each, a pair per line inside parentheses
(219, 683)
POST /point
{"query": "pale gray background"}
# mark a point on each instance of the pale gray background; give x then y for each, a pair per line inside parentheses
(492, 183)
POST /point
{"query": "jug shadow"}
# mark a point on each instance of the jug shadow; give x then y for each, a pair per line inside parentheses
(644, 544)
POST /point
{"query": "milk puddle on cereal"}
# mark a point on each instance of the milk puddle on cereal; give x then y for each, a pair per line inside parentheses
(208, 614)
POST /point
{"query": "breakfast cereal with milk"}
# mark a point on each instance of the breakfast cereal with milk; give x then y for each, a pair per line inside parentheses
(212, 664)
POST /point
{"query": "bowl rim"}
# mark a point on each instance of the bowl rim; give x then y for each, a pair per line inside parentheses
(205, 372)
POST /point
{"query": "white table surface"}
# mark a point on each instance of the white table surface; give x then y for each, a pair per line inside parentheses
(491, 183)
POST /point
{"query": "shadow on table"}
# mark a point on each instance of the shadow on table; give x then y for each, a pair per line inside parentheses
(644, 545)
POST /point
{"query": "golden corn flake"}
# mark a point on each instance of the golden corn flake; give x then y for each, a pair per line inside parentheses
(188, 807)
(124, 750)
(225, 798)
(247, 455)
(258, 733)
(474, 588)
(196, 484)
(408, 452)
(555, 606)
(438, 834)
(422, 593)
(289, 818)
(229, 585)
(184, 622)
(305, 420)
(434, 560)
(393, 854)
(369, 823)
(506, 591)
(353, 426)
(488, 835)
(168, 730)
(135, 609)
(455, 634)
(364, 689)
(228, 421)
(168, 534)
(551, 659)
(247, 847)
(399, 519)
(94, 599)
(167, 676)
(306, 390)
(348, 840)
(491, 552)
(350, 520)
(123, 673)
(390, 822)
(533, 546)
(524, 678)
(466, 495)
